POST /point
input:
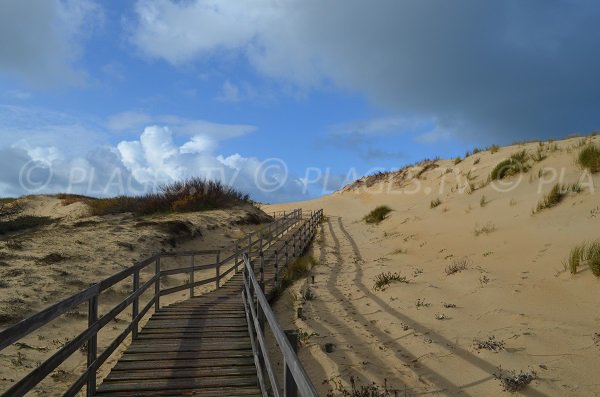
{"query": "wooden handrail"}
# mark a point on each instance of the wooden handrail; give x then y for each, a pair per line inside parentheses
(253, 291)
(261, 238)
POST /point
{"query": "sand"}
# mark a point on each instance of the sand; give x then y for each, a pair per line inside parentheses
(514, 289)
(43, 265)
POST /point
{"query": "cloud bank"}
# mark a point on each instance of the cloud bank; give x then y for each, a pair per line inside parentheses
(33, 159)
(493, 70)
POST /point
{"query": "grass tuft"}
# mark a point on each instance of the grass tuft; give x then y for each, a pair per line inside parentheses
(435, 203)
(588, 253)
(382, 280)
(589, 158)
(457, 266)
(515, 164)
(378, 214)
(485, 229)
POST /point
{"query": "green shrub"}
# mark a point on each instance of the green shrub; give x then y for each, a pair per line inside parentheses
(384, 279)
(378, 214)
(494, 149)
(435, 203)
(589, 158)
(298, 269)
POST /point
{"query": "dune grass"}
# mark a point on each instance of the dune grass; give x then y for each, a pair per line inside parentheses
(190, 195)
(556, 195)
(378, 214)
(485, 229)
(588, 253)
(589, 158)
(435, 203)
(298, 269)
(457, 266)
(513, 165)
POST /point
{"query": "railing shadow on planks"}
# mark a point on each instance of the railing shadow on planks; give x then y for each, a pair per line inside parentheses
(227, 260)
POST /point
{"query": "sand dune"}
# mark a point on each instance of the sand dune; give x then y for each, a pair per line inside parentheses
(423, 336)
(42, 265)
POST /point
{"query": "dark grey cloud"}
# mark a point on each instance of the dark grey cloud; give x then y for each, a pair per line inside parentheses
(495, 70)
(40, 41)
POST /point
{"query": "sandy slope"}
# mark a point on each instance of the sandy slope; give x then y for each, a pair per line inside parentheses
(45, 265)
(515, 287)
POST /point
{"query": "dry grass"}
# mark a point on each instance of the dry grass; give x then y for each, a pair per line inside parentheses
(485, 229)
(298, 269)
(193, 194)
(512, 381)
(457, 266)
(382, 280)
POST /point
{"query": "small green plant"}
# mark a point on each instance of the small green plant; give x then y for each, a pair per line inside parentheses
(457, 266)
(483, 201)
(382, 280)
(378, 214)
(584, 253)
(485, 229)
(589, 158)
(435, 203)
(457, 160)
(494, 149)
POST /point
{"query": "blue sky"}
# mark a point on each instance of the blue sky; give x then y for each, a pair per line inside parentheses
(114, 97)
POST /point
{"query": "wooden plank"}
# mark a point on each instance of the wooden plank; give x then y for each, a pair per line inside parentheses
(187, 356)
(236, 361)
(245, 391)
(179, 373)
(171, 384)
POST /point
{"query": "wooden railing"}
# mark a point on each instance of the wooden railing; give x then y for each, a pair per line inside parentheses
(227, 260)
(258, 310)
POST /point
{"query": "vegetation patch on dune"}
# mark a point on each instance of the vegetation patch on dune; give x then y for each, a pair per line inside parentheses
(513, 165)
(378, 214)
(585, 253)
(382, 280)
(194, 194)
(512, 381)
(301, 267)
(556, 195)
(589, 158)
(485, 229)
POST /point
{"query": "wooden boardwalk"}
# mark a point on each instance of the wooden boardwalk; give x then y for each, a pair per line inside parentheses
(198, 347)
(209, 345)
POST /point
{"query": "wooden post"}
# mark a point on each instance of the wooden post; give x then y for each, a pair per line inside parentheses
(92, 345)
(157, 286)
(135, 307)
(218, 282)
(261, 281)
(192, 276)
(289, 385)
(276, 269)
(249, 245)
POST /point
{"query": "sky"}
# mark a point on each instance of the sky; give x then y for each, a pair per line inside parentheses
(283, 99)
